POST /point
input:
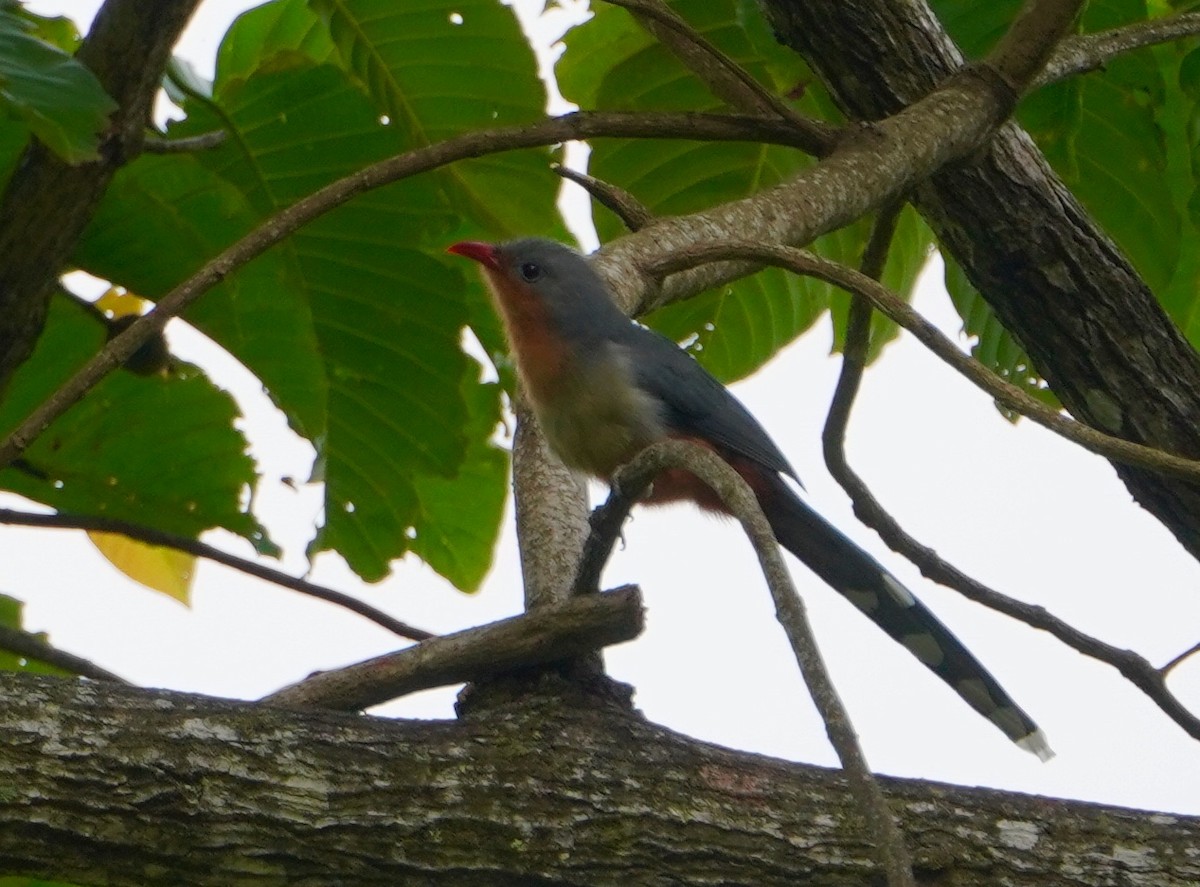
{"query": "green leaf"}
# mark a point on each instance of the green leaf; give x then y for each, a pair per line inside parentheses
(736, 329)
(1179, 116)
(412, 60)
(10, 617)
(161, 219)
(158, 451)
(387, 314)
(55, 96)
(995, 347)
(272, 35)
(461, 517)
(1102, 132)
(1113, 137)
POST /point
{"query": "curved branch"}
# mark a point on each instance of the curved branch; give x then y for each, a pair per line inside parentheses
(201, 549)
(802, 262)
(569, 127)
(633, 215)
(29, 645)
(724, 77)
(1089, 52)
(630, 482)
(1133, 667)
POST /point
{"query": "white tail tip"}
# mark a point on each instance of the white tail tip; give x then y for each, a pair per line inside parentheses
(1036, 743)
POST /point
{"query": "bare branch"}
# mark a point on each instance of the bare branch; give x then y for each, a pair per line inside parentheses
(633, 215)
(203, 142)
(29, 645)
(803, 262)
(1089, 52)
(197, 548)
(543, 635)
(724, 77)
(1029, 42)
(629, 483)
(1179, 660)
(283, 223)
(1134, 667)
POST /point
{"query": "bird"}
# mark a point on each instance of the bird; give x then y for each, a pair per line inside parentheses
(604, 387)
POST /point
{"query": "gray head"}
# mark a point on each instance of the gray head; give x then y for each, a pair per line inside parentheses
(556, 276)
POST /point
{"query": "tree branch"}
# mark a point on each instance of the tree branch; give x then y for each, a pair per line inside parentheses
(633, 215)
(1089, 52)
(725, 78)
(1010, 396)
(868, 509)
(135, 788)
(29, 645)
(1088, 321)
(197, 548)
(48, 202)
(203, 142)
(543, 635)
(474, 144)
(629, 484)
(1030, 41)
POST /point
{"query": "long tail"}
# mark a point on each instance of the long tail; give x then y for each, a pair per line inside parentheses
(891, 606)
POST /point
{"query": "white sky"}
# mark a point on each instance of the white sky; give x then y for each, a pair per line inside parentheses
(1016, 507)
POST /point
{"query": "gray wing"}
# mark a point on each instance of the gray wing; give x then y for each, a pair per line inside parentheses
(694, 403)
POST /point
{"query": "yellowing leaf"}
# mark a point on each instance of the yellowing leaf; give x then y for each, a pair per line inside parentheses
(160, 569)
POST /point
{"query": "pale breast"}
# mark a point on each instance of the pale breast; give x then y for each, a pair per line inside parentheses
(596, 418)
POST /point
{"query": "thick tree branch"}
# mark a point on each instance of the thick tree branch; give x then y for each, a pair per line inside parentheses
(1029, 42)
(48, 201)
(543, 635)
(1092, 327)
(129, 787)
(474, 144)
(197, 548)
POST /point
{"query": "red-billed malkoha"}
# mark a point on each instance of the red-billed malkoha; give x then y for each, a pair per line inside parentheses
(603, 388)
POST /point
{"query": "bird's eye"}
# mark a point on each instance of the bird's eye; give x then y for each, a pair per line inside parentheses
(531, 271)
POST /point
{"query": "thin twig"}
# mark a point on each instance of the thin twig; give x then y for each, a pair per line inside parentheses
(539, 636)
(724, 77)
(632, 213)
(1007, 394)
(201, 549)
(204, 142)
(1134, 668)
(629, 484)
(577, 126)
(1178, 660)
(31, 646)
(1089, 52)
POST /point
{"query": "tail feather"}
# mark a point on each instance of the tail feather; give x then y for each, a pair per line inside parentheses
(891, 606)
